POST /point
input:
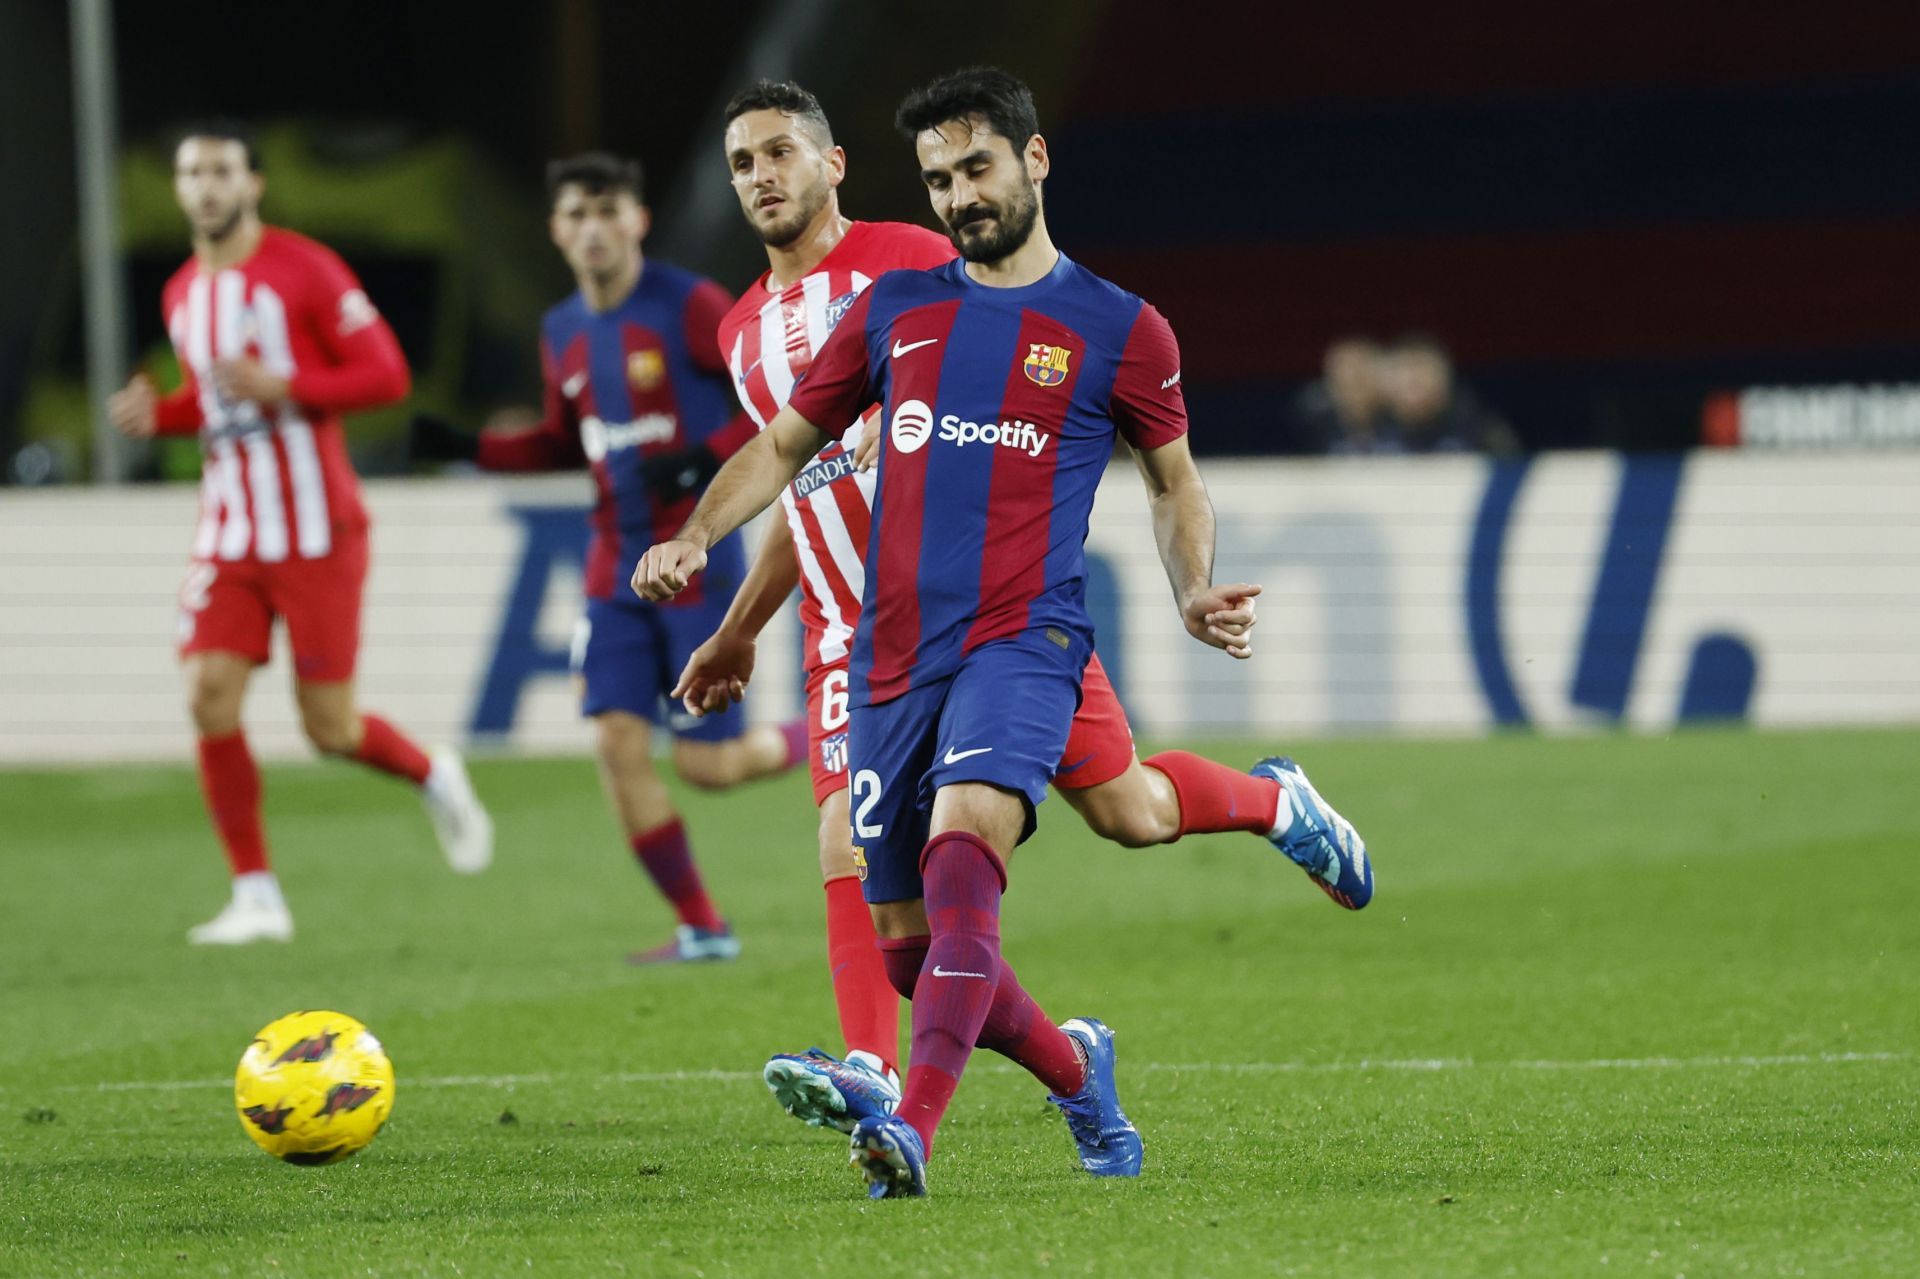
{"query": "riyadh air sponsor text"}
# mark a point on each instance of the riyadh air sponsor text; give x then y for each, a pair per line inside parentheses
(823, 471)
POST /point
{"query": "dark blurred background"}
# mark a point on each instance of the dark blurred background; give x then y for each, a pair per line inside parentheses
(1594, 216)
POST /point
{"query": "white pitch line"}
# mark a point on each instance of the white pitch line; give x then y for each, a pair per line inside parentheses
(1414, 1065)
(1427, 1064)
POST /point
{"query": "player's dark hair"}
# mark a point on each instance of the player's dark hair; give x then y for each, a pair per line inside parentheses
(1419, 342)
(998, 97)
(221, 129)
(787, 98)
(596, 173)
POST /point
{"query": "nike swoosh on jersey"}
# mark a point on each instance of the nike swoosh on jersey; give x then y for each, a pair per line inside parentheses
(954, 756)
(573, 385)
(899, 350)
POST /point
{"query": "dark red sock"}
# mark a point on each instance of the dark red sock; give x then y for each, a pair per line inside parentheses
(386, 748)
(1017, 1028)
(903, 958)
(869, 1007)
(231, 783)
(665, 855)
(1214, 797)
(795, 733)
(964, 881)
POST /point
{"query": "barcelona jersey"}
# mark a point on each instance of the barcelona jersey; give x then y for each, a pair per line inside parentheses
(1001, 407)
(624, 385)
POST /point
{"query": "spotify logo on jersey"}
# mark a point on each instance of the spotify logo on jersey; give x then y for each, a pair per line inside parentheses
(912, 426)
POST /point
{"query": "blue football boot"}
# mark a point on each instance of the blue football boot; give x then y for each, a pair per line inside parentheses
(888, 1151)
(820, 1089)
(692, 945)
(1321, 841)
(1109, 1145)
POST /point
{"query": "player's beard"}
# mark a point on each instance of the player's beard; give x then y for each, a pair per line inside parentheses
(806, 207)
(1012, 226)
(218, 232)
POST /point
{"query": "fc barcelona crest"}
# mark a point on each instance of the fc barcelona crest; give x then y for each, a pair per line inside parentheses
(645, 369)
(1046, 365)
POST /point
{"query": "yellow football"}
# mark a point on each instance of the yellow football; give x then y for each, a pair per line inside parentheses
(313, 1087)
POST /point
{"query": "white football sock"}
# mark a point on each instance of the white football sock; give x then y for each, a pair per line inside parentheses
(1283, 813)
(438, 784)
(861, 1057)
(258, 888)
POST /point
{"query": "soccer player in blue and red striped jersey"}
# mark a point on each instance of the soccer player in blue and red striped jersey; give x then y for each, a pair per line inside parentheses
(636, 391)
(1003, 379)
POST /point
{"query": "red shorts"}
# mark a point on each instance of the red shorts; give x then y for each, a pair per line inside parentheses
(827, 728)
(1099, 745)
(228, 606)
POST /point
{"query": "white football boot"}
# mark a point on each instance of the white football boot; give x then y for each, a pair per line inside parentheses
(257, 912)
(459, 820)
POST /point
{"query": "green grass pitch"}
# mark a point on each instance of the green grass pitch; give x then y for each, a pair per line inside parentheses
(1622, 1006)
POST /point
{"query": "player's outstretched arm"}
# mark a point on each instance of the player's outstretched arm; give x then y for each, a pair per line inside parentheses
(1223, 615)
(718, 672)
(745, 486)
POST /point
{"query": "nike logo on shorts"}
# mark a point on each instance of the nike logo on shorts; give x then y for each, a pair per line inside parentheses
(954, 756)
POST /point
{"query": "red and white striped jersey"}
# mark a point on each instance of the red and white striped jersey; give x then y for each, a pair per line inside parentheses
(769, 340)
(276, 482)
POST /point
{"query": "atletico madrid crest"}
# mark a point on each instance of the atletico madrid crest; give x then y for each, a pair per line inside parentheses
(1046, 365)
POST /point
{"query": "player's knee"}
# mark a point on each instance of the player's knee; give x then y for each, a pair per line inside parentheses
(214, 707)
(705, 766)
(894, 920)
(332, 734)
(1129, 825)
(621, 741)
(836, 851)
(1137, 830)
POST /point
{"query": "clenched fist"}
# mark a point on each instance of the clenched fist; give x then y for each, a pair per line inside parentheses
(664, 571)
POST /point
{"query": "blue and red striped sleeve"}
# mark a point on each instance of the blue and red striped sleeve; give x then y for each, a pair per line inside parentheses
(1149, 408)
(840, 385)
(707, 306)
(551, 444)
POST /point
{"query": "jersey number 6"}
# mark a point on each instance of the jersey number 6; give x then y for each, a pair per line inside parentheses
(833, 701)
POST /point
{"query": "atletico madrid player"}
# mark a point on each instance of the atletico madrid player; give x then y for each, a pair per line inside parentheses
(1002, 382)
(786, 173)
(276, 339)
(637, 393)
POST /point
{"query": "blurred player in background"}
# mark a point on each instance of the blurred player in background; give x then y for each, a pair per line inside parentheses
(275, 340)
(636, 390)
(786, 173)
